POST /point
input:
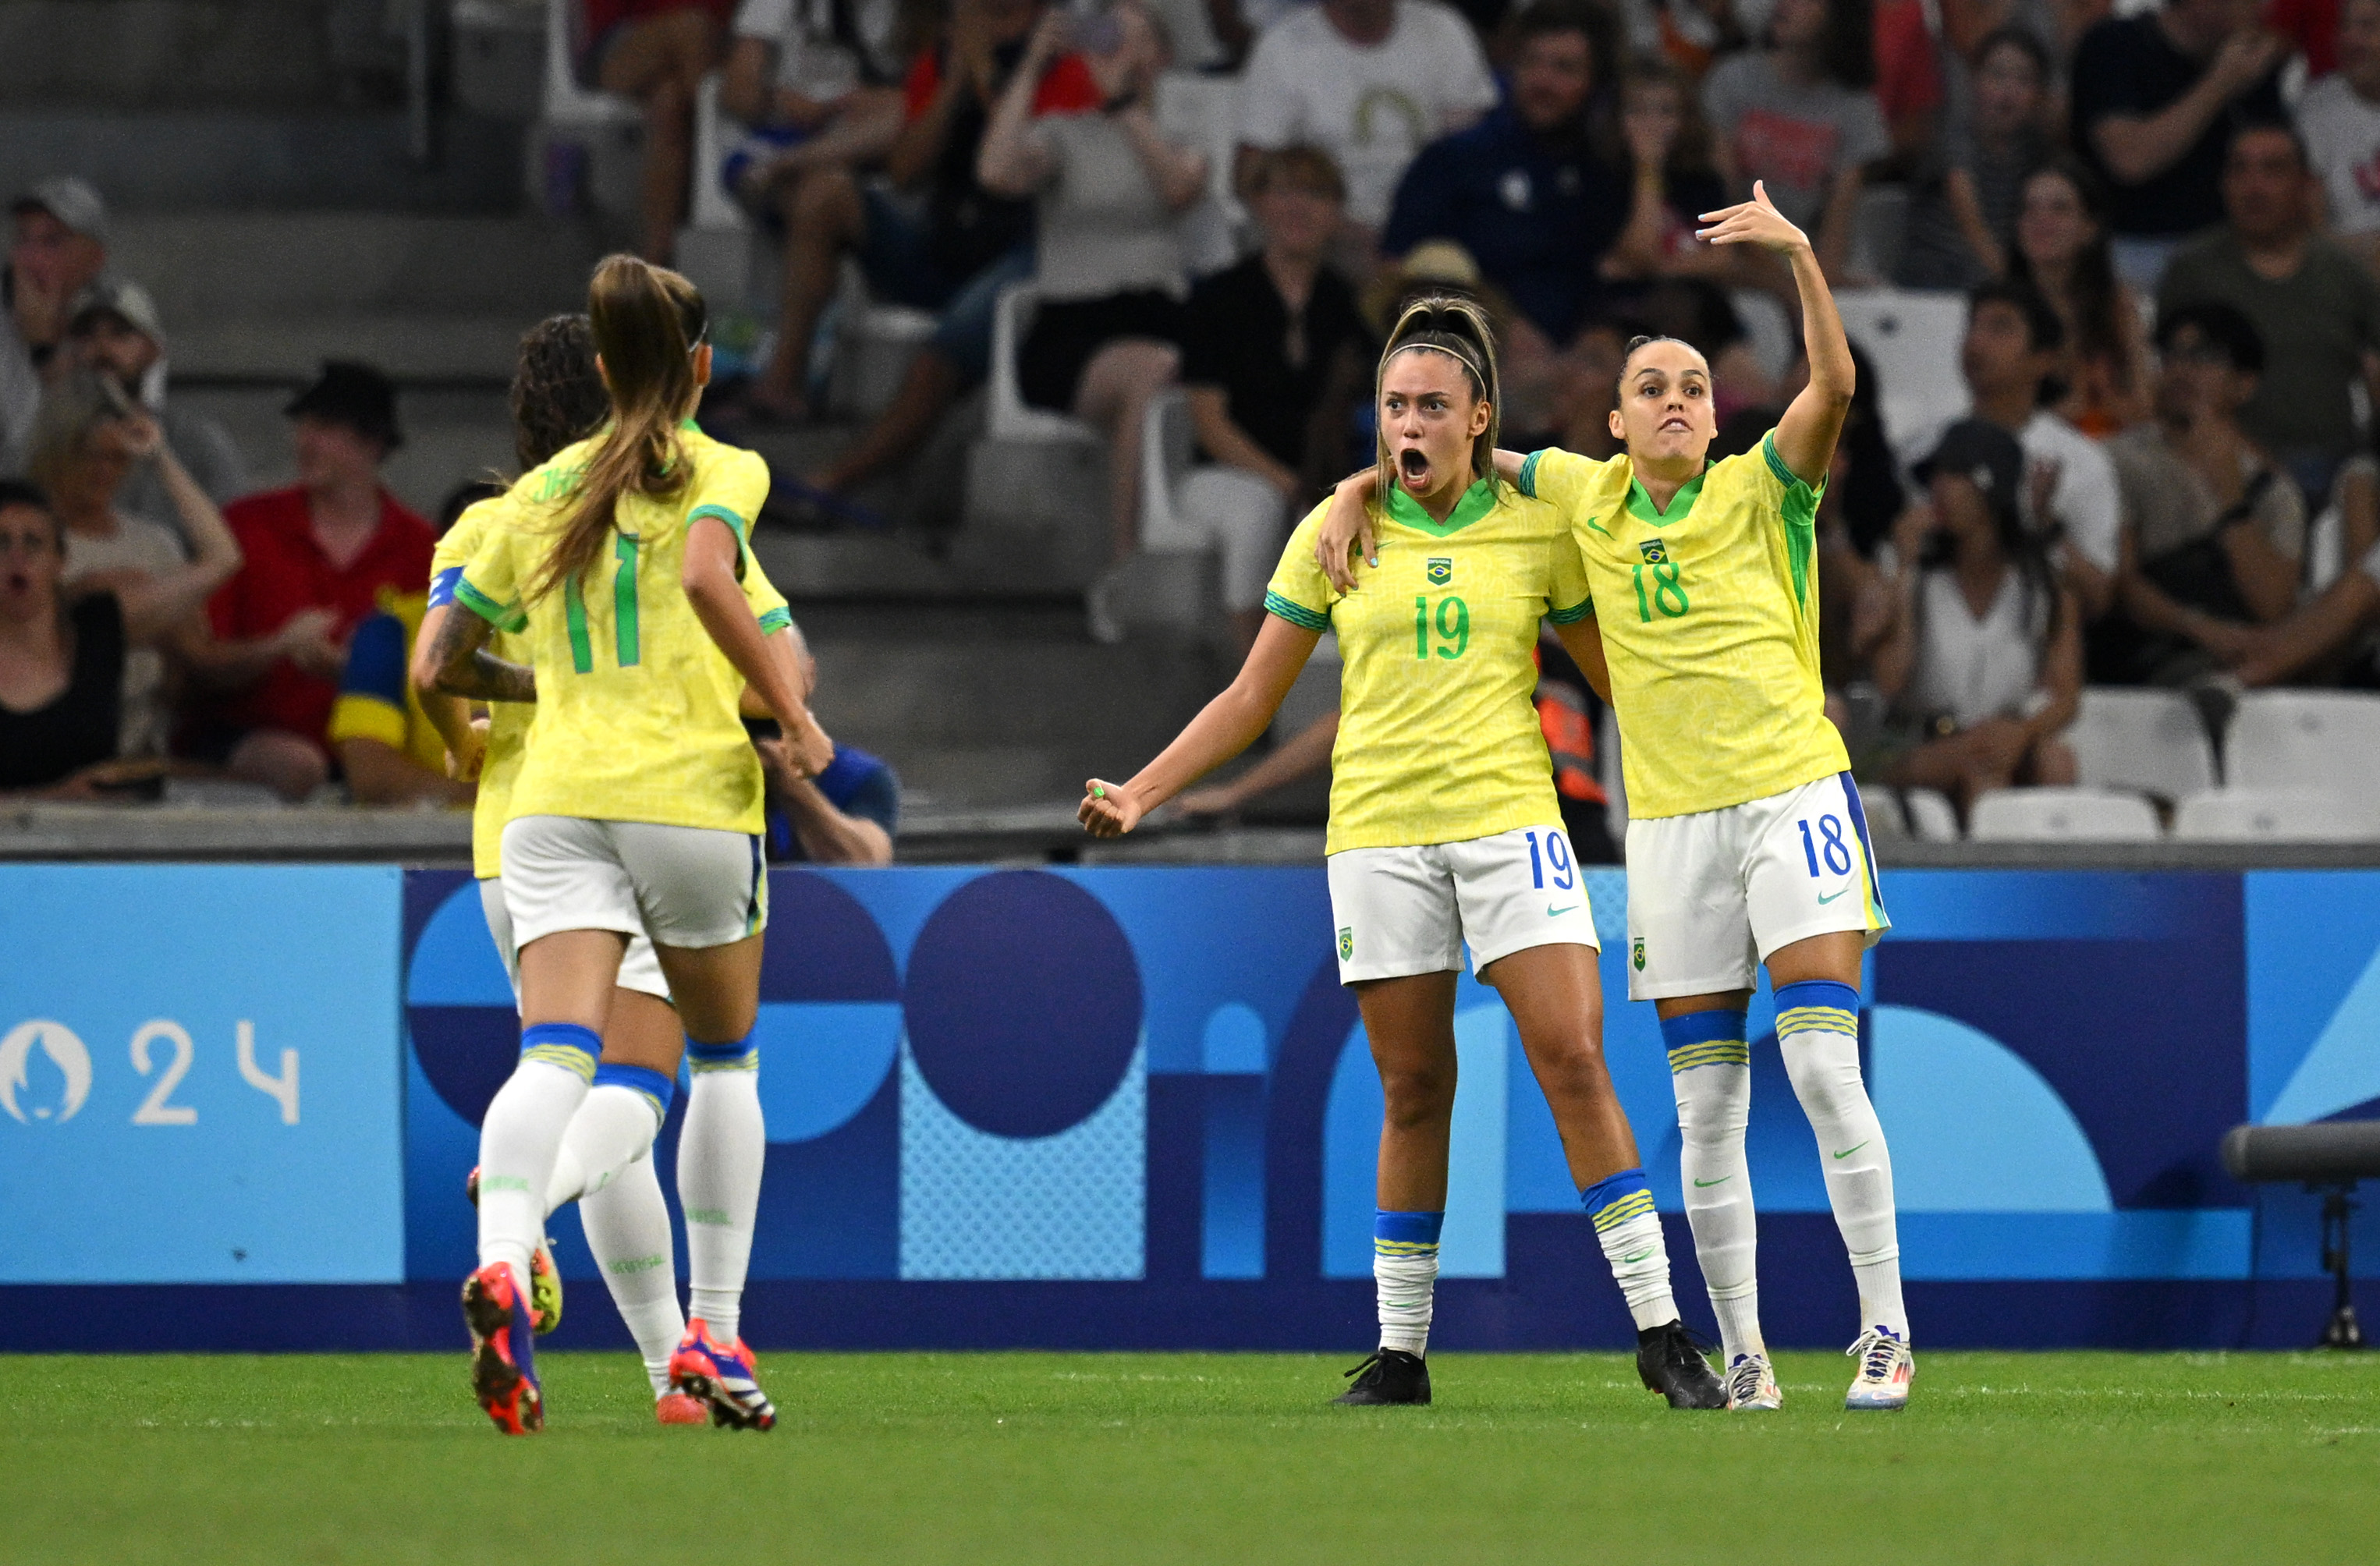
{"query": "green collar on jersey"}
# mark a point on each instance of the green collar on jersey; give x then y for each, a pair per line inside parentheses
(1477, 501)
(1641, 506)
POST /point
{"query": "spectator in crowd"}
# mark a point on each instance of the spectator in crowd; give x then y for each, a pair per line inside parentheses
(2316, 310)
(319, 555)
(1273, 354)
(2156, 99)
(1801, 118)
(813, 86)
(1110, 277)
(1963, 216)
(2062, 250)
(656, 52)
(2218, 530)
(59, 249)
(1524, 192)
(1687, 35)
(1369, 81)
(389, 750)
(89, 442)
(955, 259)
(63, 655)
(2339, 117)
(2008, 356)
(116, 333)
(1983, 662)
(846, 814)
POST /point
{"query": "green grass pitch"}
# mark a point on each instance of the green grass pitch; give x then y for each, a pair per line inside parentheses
(1230, 1458)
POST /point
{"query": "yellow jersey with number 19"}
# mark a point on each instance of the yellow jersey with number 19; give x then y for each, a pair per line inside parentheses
(636, 718)
(508, 720)
(1438, 739)
(1709, 617)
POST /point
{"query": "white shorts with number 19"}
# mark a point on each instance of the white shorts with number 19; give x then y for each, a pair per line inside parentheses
(1405, 911)
(1711, 896)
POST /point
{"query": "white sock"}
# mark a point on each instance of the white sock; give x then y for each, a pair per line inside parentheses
(628, 1226)
(1821, 1046)
(1405, 1276)
(1712, 1085)
(613, 1126)
(1629, 1231)
(721, 1150)
(521, 1135)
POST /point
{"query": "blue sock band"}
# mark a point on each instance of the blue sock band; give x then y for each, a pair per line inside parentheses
(658, 1090)
(563, 1044)
(1405, 1233)
(1705, 1038)
(1817, 1005)
(1615, 1200)
(742, 1055)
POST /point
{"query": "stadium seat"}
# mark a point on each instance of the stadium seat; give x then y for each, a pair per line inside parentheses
(2274, 815)
(2050, 815)
(1036, 507)
(1932, 818)
(711, 208)
(2151, 741)
(2318, 739)
(1170, 584)
(566, 103)
(1008, 416)
(1912, 339)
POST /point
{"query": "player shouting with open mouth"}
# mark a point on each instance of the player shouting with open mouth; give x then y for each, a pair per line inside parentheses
(1746, 843)
(1444, 830)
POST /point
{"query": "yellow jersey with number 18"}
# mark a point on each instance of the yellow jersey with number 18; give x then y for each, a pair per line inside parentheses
(1438, 739)
(1709, 617)
(636, 717)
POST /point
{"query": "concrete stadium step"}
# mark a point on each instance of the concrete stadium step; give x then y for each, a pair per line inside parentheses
(148, 52)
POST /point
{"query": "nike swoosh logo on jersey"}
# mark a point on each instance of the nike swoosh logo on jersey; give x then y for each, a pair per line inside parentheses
(1552, 912)
(1847, 1152)
(1631, 1261)
(1721, 1181)
(1832, 895)
(1598, 528)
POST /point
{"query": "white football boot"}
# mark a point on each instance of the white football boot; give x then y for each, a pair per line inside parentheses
(1886, 1369)
(1752, 1384)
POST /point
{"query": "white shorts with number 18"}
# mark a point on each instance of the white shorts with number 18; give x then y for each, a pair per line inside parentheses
(1711, 896)
(1404, 911)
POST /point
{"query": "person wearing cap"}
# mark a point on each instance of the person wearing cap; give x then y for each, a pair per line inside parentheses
(1982, 660)
(116, 332)
(326, 548)
(59, 248)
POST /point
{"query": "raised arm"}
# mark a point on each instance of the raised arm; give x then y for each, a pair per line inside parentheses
(1807, 432)
(1013, 162)
(1226, 726)
(711, 547)
(157, 603)
(2140, 147)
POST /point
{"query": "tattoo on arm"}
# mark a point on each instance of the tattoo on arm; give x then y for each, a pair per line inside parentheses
(466, 668)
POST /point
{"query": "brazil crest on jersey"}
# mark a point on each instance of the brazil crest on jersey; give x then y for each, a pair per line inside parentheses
(1438, 739)
(1709, 617)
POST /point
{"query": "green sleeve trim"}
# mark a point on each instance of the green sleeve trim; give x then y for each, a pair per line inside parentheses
(736, 525)
(775, 620)
(503, 617)
(1527, 483)
(1296, 614)
(1791, 481)
(1573, 615)
(1801, 518)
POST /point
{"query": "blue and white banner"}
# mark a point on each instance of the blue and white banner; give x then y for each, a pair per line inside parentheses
(199, 1074)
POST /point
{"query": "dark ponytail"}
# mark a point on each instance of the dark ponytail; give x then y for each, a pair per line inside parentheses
(647, 322)
(1459, 329)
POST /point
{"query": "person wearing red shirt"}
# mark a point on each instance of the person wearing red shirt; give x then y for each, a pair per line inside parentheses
(656, 52)
(319, 554)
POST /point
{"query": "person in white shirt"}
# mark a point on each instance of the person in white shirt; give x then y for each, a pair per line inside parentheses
(1369, 81)
(2010, 348)
(2340, 121)
(814, 83)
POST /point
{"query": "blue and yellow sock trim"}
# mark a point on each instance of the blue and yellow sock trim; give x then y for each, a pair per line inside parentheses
(1705, 1038)
(563, 1044)
(742, 1055)
(1613, 1200)
(1817, 1005)
(1406, 1234)
(651, 1086)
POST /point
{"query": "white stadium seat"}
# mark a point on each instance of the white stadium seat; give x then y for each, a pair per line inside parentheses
(2053, 814)
(2148, 740)
(2274, 815)
(566, 103)
(1009, 417)
(1932, 818)
(1912, 338)
(2318, 739)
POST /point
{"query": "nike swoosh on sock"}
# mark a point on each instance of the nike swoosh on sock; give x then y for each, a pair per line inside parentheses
(1854, 1147)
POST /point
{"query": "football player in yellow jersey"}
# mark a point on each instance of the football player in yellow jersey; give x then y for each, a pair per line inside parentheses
(637, 804)
(1445, 832)
(1747, 843)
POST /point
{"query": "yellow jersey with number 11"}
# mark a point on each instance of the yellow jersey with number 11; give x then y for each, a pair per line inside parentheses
(1438, 739)
(1709, 617)
(636, 714)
